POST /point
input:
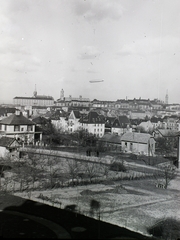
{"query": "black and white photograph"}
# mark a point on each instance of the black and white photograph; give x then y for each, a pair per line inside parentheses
(90, 119)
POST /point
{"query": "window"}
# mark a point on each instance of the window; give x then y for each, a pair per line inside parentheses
(22, 129)
(30, 128)
(16, 128)
(126, 144)
(5, 127)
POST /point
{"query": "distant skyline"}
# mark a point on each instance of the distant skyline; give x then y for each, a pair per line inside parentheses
(132, 45)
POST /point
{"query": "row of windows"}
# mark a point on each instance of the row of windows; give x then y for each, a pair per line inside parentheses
(17, 128)
(98, 130)
(98, 135)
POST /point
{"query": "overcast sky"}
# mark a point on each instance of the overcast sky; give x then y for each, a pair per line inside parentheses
(133, 45)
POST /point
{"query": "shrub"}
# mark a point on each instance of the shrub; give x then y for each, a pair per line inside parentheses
(166, 229)
(118, 167)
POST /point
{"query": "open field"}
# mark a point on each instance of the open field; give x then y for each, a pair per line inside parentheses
(134, 204)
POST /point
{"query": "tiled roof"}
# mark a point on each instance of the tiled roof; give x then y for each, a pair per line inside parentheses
(16, 120)
(137, 111)
(5, 110)
(40, 120)
(136, 121)
(136, 137)
(111, 138)
(109, 121)
(58, 114)
(124, 119)
(76, 113)
(167, 132)
(92, 117)
(42, 97)
(156, 119)
(6, 141)
(121, 122)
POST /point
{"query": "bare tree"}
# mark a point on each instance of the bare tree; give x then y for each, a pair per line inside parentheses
(73, 169)
(105, 170)
(91, 170)
(5, 163)
(53, 169)
(166, 174)
(32, 164)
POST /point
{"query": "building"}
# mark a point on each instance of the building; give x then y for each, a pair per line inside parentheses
(121, 125)
(108, 124)
(93, 123)
(102, 104)
(9, 147)
(59, 120)
(19, 127)
(72, 101)
(157, 122)
(73, 121)
(135, 114)
(6, 111)
(36, 100)
(138, 143)
(110, 142)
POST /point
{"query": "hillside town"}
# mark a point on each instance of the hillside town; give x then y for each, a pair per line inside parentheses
(53, 151)
(122, 123)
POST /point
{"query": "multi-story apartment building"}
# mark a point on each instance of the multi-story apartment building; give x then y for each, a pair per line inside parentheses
(93, 123)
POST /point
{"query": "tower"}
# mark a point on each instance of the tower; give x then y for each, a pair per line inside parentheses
(62, 94)
(166, 97)
(35, 92)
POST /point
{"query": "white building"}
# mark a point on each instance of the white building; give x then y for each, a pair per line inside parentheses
(93, 123)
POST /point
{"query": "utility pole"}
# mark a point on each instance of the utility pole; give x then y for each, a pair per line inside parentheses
(178, 152)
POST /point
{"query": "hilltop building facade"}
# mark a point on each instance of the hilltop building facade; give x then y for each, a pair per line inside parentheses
(36, 100)
(71, 101)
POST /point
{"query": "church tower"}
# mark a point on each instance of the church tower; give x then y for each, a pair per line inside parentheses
(166, 97)
(62, 94)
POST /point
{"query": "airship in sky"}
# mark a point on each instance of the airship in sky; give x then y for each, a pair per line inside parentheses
(96, 80)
